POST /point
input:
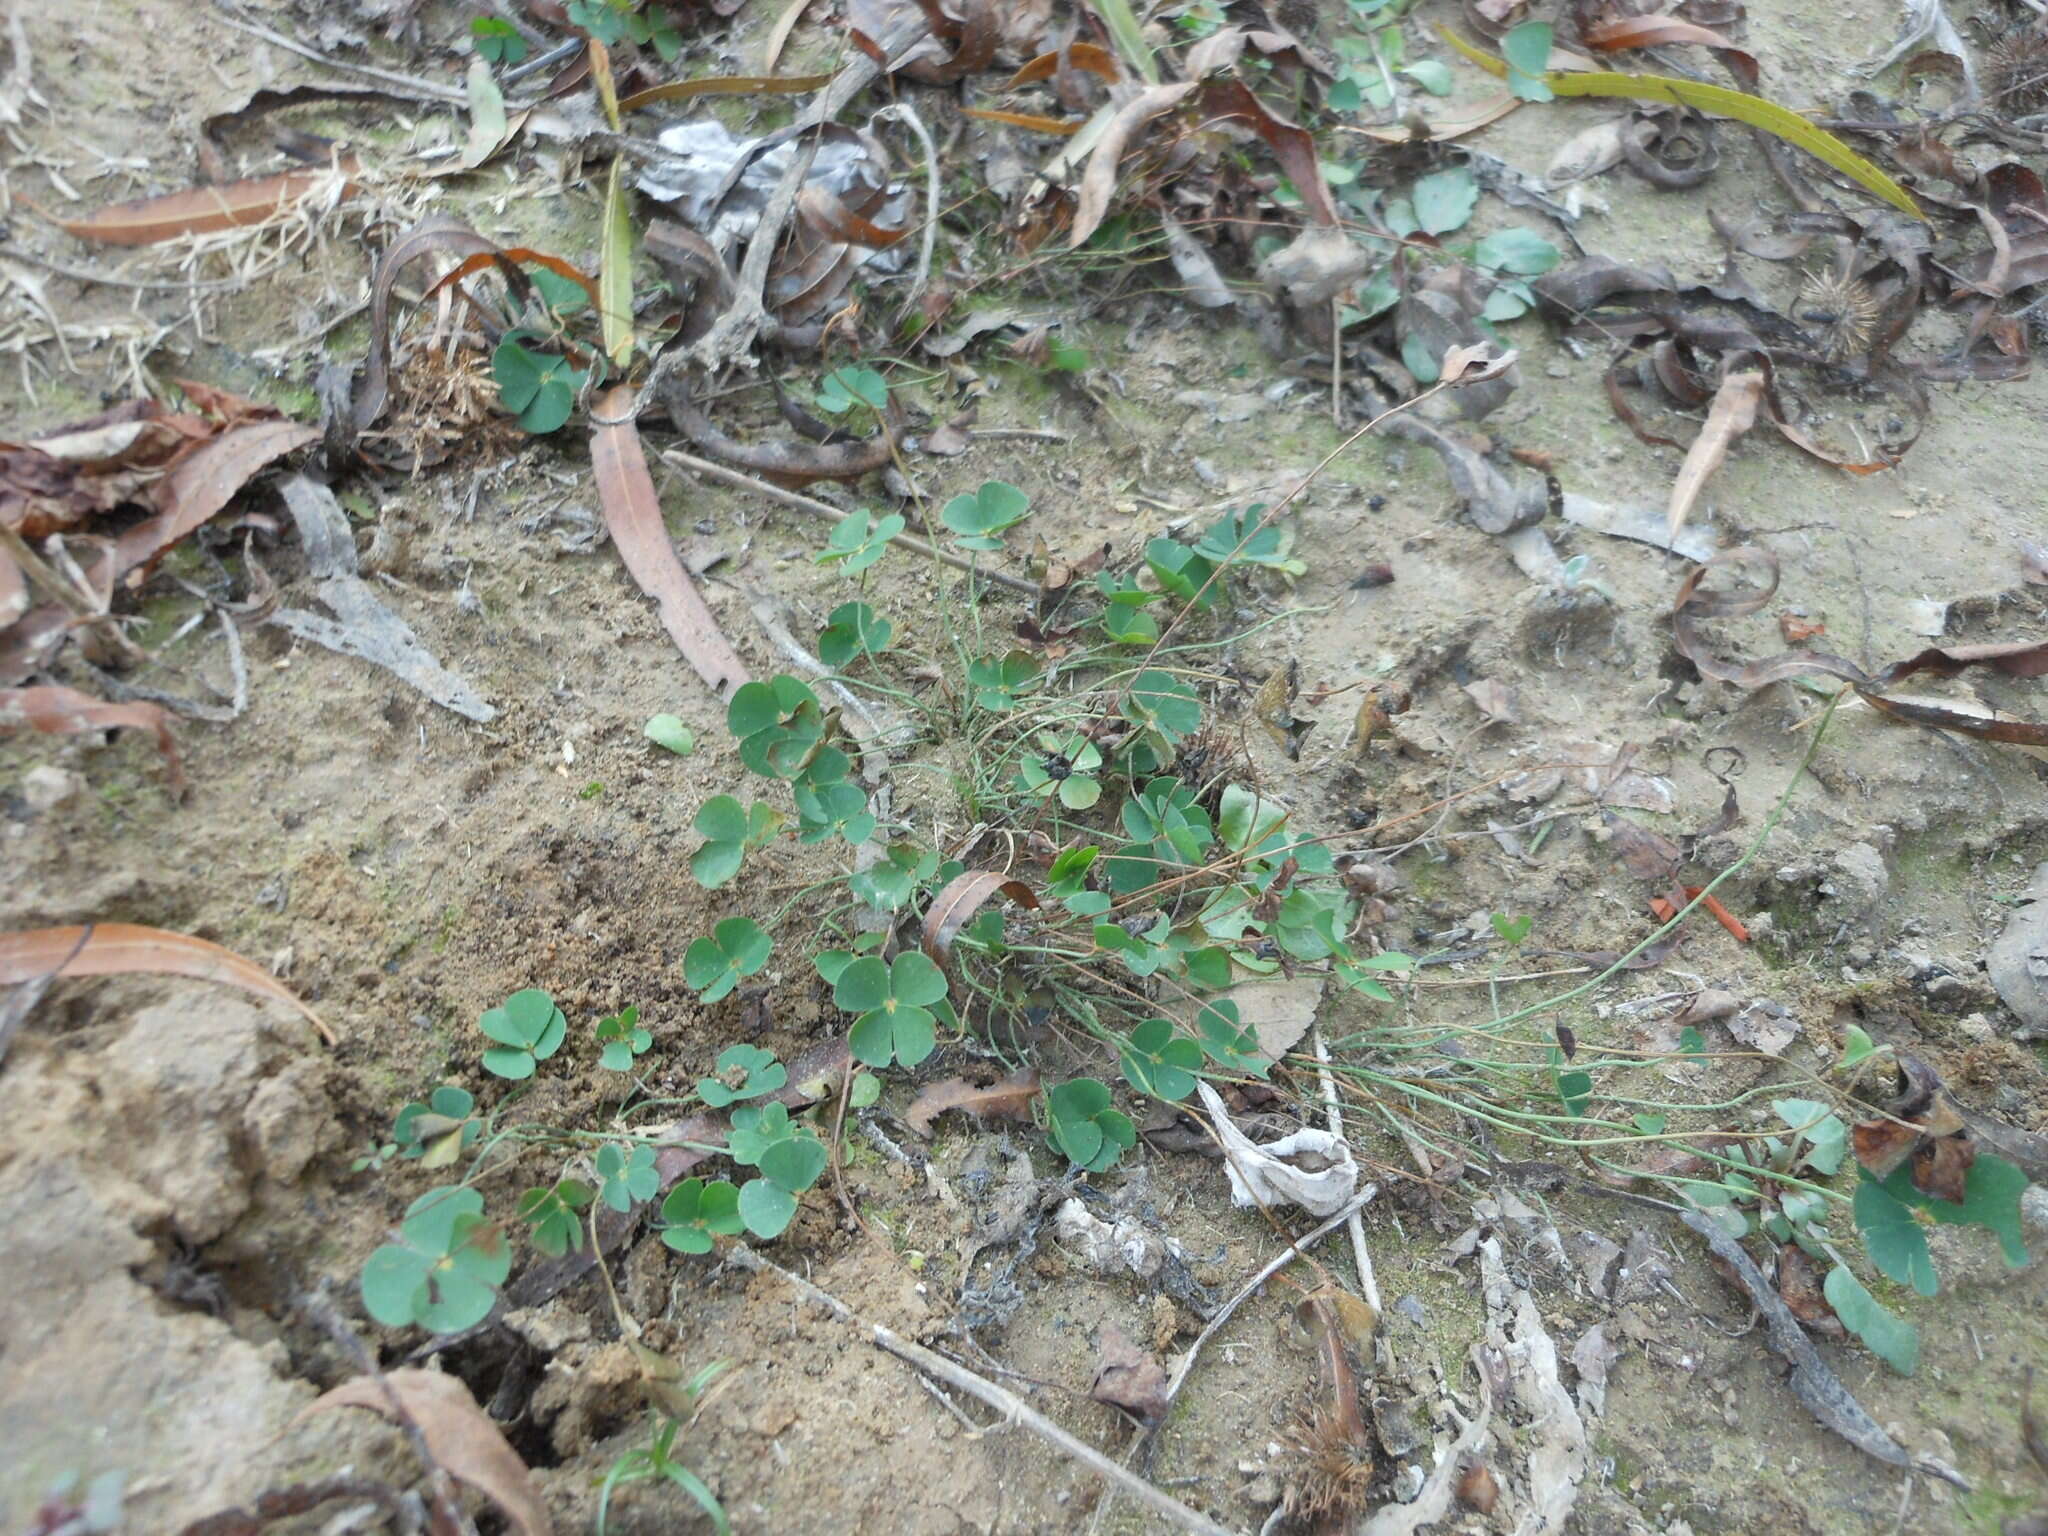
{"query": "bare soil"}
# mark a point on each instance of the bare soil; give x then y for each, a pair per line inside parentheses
(175, 1160)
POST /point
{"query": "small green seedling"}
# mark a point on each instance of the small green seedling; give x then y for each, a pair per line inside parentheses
(789, 1156)
(373, 1159)
(627, 1175)
(1085, 1128)
(894, 1001)
(836, 809)
(736, 949)
(851, 387)
(563, 296)
(496, 41)
(1182, 574)
(730, 833)
(551, 1211)
(979, 518)
(998, 680)
(1159, 701)
(830, 962)
(695, 1213)
(1158, 1061)
(528, 1027)
(1064, 766)
(445, 1269)
(741, 1072)
(888, 884)
(623, 1038)
(539, 387)
(779, 725)
(611, 22)
(658, 1460)
(1226, 1041)
(1237, 539)
(670, 732)
(853, 630)
(857, 542)
(437, 1131)
(1067, 882)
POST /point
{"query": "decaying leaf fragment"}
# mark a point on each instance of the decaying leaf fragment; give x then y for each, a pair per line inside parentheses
(964, 895)
(202, 210)
(1732, 414)
(121, 949)
(632, 513)
(1696, 602)
(362, 626)
(59, 711)
(1127, 1377)
(1008, 1098)
(459, 1435)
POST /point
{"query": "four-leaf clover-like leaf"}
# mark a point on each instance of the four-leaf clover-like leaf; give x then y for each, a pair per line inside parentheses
(1063, 766)
(1085, 1128)
(695, 1212)
(859, 541)
(979, 517)
(528, 1027)
(778, 723)
(894, 1001)
(627, 1175)
(445, 1269)
(623, 1038)
(997, 680)
(541, 389)
(551, 1212)
(1160, 1062)
(436, 1131)
(852, 630)
(729, 831)
(736, 948)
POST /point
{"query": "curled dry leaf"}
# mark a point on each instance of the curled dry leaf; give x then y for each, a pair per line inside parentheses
(59, 711)
(438, 232)
(205, 481)
(1732, 414)
(1696, 602)
(1098, 182)
(460, 1437)
(122, 949)
(965, 895)
(202, 210)
(1008, 1099)
(632, 513)
(1312, 1169)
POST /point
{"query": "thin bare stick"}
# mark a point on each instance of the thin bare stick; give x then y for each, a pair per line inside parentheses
(903, 112)
(1368, 1284)
(746, 482)
(1005, 1402)
(839, 1174)
(419, 90)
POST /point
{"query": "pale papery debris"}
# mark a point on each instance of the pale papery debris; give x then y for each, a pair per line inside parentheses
(1555, 1438)
(1266, 1176)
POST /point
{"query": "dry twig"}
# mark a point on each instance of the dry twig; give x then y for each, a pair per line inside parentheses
(1005, 1402)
